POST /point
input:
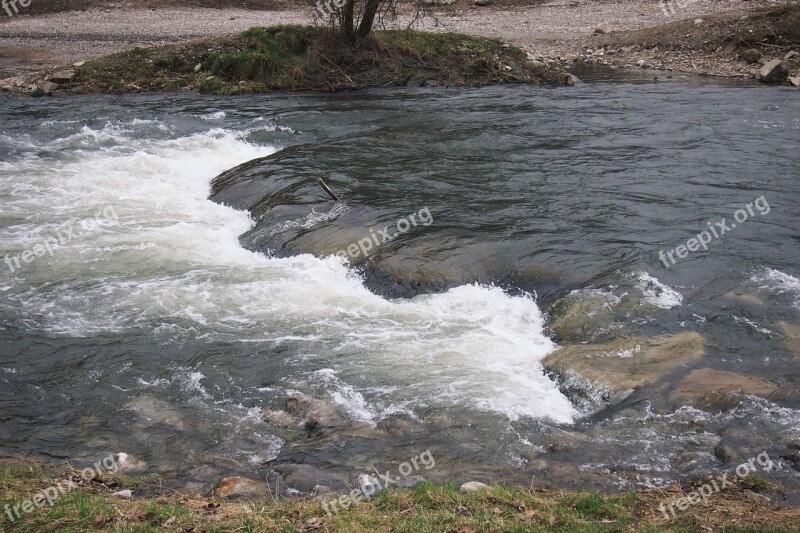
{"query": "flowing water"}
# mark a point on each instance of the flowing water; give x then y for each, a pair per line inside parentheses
(196, 283)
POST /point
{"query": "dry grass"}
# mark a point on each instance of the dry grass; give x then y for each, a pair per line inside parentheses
(428, 508)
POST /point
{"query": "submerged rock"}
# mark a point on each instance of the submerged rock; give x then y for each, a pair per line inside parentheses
(792, 336)
(318, 414)
(615, 369)
(155, 411)
(705, 388)
(241, 487)
(306, 478)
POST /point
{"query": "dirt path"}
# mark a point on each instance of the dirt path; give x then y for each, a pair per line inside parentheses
(552, 30)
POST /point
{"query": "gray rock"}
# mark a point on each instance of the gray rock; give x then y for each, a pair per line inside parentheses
(725, 453)
(79, 64)
(795, 81)
(758, 498)
(198, 67)
(473, 486)
(47, 87)
(751, 56)
(123, 494)
(794, 54)
(63, 76)
(773, 72)
(625, 364)
(572, 80)
(305, 478)
(698, 22)
(602, 28)
(483, 3)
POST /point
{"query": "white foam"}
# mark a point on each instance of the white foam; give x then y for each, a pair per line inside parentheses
(778, 282)
(173, 265)
(656, 293)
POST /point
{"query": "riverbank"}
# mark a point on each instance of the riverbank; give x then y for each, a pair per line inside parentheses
(115, 502)
(293, 58)
(34, 44)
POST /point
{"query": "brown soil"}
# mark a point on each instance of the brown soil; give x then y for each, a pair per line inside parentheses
(43, 7)
(714, 43)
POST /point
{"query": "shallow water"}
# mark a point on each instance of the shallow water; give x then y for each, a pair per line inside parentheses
(176, 310)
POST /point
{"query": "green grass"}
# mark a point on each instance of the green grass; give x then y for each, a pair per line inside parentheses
(428, 508)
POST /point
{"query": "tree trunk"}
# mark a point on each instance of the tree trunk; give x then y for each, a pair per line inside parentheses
(348, 26)
(368, 19)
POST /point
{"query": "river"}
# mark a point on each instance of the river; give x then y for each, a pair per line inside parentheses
(170, 272)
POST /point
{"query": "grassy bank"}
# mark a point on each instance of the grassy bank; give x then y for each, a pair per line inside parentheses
(291, 58)
(427, 508)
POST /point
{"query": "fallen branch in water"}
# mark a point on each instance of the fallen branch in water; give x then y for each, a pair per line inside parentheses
(327, 189)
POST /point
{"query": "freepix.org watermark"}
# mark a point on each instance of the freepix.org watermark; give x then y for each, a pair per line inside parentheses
(367, 244)
(12, 6)
(62, 237)
(370, 485)
(718, 229)
(51, 494)
(706, 491)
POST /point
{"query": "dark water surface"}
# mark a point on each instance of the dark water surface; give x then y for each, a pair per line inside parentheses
(199, 287)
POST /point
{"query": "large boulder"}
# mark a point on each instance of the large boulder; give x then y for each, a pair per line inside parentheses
(705, 388)
(63, 76)
(773, 72)
(47, 87)
(610, 372)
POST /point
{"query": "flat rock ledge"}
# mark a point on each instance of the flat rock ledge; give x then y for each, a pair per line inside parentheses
(596, 375)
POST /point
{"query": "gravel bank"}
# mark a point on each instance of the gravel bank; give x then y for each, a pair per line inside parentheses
(548, 31)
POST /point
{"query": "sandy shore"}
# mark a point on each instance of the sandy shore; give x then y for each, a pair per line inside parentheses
(554, 30)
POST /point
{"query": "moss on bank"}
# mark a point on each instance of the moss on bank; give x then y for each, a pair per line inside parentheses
(428, 508)
(292, 58)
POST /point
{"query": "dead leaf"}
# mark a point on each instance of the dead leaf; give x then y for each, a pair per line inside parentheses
(169, 521)
(518, 505)
(465, 529)
(462, 510)
(312, 524)
(100, 521)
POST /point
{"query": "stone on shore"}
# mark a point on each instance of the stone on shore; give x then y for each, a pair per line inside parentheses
(483, 3)
(602, 28)
(473, 486)
(47, 87)
(751, 56)
(63, 76)
(773, 72)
